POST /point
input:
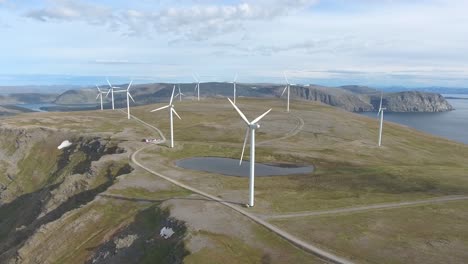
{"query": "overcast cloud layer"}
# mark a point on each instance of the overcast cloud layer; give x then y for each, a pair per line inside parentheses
(414, 43)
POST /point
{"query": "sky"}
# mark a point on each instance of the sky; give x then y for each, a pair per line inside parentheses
(413, 43)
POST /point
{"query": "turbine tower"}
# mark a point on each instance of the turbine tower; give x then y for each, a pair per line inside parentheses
(179, 94)
(197, 86)
(288, 86)
(234, 84)
(100, 93)
(381, 113)
(111, 90)
(129, 96)
(251, 127)
(171, 110)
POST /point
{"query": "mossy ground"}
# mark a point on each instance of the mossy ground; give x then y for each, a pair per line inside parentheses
(350, 170)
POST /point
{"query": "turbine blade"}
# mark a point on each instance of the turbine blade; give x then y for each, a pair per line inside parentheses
(160, 108)
(194, 77)
(129, 95)
(235, 78)
(98, 88)
(286, 78)
(174, 111)
(240, 112)
(99, 94)
(172, 95)
(110, 85)
(381, 95)
(260, 117)
(129, 85)
(243, 147)
(284, 90)
(108, 91)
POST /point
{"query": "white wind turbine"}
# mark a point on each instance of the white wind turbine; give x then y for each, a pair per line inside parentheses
(197, 86)
(381, 113)
(234, 84)
(111, 90)
(288, 86)
(129, 96)
(171, 110)
(100, 93)
(179, 94)
(251, 127)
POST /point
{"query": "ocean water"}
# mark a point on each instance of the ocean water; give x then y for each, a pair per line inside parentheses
(452, 125)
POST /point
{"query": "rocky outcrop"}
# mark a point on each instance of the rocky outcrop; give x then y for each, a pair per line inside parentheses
(332, 96)
(412, 102)
(40, 183)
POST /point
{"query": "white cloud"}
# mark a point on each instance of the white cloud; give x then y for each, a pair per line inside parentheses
(68, 10)
(195, 22)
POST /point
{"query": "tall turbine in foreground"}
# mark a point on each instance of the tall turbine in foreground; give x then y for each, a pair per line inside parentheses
(251, 127)
(171, 110)
(381, 112)
(197, 86)
(234, 84)
(288, 86)
(100, 93)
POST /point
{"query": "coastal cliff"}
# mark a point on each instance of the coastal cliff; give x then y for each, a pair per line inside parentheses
(351, 98)
(413, 102)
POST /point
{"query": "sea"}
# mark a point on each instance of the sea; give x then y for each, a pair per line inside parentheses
(452, 125)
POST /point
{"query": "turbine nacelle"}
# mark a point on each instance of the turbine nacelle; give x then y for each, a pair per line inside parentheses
(254, 126)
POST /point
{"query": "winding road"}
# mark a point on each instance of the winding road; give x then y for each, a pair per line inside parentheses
(292, 239)
(367, 207)
(261, 219)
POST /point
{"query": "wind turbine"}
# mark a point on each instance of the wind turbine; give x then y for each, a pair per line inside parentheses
(381, 112)
(288, 86)
(171, 110)
(180, 94)
(111, 90)
(129, 96)
(100, 93)
(197, 86)
(234, 83)
(251, 127)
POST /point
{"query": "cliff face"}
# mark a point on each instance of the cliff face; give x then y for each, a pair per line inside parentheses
(412, 102)
(351, 98)
(332, 96)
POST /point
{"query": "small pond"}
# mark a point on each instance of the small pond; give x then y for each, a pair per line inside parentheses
(231, 167)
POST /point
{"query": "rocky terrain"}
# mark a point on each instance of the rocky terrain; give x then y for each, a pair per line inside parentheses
(350, 98)
(51, 203)
(405, 101)
(414, 102)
